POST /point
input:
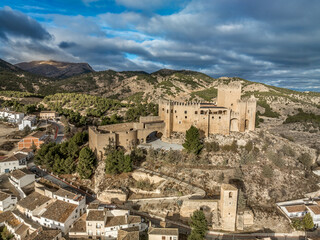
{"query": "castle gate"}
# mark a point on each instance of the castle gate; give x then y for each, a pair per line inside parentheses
(234, 125)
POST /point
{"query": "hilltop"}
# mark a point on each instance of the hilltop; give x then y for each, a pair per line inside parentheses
(55, 69)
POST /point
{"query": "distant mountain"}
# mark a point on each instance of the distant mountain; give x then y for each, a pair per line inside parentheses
(55, 69)
(177, 85)
(7, 66)
(13, 78)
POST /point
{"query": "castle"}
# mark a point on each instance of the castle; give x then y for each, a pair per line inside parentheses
(230, 114)
(220, 213)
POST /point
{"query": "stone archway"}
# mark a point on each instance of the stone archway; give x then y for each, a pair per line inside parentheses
(234, 125)
(155, 135)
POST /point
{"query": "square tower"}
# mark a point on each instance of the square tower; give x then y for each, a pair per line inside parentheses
(228, 207)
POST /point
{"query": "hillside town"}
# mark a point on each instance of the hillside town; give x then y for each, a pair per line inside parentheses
(36, 201)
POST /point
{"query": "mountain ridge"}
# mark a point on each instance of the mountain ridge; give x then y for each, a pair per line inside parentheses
(55, 69)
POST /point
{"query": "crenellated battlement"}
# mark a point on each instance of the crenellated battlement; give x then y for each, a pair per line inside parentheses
(174, 103)
(230, 86)
(229, 113)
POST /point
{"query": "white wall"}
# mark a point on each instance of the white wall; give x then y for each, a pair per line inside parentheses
(27, 179)
(9, 165)
(8, 203)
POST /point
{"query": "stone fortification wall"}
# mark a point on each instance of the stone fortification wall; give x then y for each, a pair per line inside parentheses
(230, 114)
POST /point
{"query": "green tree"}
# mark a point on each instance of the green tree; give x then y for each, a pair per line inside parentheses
(5, 234)
(308, 222)
(117, 162)
(86, 163)
(69, 166)
(199, 226)
(193, 143)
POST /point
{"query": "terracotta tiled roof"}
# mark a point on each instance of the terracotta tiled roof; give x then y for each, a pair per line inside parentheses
(6, 216)
(128, 235)
(65, 193)
(22, 230)
(47, 234)
(20, 173)
(314, 208)
(79, 226)
(296, 208)
(120, 220)
(164, 231)
(3, 195)
(33, 201)
(96, 215)
(59, 211)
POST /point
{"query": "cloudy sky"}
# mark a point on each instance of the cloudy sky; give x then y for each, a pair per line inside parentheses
(276, 41)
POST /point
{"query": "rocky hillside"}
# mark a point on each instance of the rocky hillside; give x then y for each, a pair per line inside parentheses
(54, 69)
(274, 103)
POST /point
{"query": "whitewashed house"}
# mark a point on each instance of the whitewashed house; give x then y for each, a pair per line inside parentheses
(70, 197)
(295, 211)
(57, 210)
(104, 223)
(12, 117)
(7, 201)
(163, 233)
(21, 177)
(59, 215)
(8, 164)
(26, 151)
(30, 121)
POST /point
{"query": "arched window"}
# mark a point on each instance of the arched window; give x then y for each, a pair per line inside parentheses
(230, 194)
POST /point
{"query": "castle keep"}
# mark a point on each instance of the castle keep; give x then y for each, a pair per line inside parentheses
(230, 113)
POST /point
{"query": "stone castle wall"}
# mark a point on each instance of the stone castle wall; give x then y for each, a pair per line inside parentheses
(230, 114)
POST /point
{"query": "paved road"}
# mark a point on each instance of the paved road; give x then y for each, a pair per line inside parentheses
(61, 183)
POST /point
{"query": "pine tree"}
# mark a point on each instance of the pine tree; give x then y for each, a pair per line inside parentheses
(117, 162)
(69, 165)
(199, 226)
(86, 163)
(192, 143)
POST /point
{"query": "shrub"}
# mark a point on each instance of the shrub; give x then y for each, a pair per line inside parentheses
(276, 158)
(267, 171)
(233, 147)
(212, 146)
(305, 159)
(249, 146)
(288, 151)
(267, 110)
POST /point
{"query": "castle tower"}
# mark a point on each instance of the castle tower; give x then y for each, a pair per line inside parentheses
(251, 113)
(166, 114)
(228, 207)
(229, 95)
